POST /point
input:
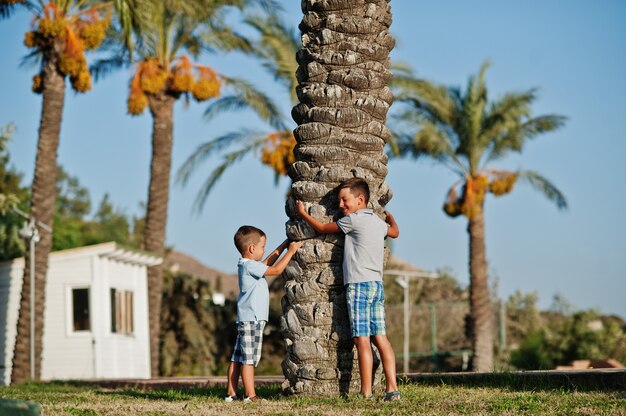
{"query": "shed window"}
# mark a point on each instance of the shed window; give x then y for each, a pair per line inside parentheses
(80, 309)
(122, 312)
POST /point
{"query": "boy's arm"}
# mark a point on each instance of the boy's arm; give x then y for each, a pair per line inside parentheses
(273, 256)
(280, 265)
(318, 226)
(393, 230)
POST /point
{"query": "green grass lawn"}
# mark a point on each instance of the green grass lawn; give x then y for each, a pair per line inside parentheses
(83, 400)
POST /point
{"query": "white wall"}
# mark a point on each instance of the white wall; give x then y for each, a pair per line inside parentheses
(66, 354)
(98, 353)
(10, 287)
(123, 355)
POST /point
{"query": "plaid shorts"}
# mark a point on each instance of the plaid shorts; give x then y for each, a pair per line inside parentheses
(366, 308)
(248, 343)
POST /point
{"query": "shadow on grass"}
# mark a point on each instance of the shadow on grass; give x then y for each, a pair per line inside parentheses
(173, 395)
(527, 381)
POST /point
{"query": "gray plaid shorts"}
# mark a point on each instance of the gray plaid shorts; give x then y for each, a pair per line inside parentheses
(249, 342)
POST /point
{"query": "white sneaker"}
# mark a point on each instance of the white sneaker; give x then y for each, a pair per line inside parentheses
(229, 399)
(252, 399)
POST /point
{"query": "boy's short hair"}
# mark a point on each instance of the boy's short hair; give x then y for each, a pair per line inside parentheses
(247, 235)
(357, 186)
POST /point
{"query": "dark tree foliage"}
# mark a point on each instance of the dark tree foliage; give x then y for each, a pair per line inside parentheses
(196, 336)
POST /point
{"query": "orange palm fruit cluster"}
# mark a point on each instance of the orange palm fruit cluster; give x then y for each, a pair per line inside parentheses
(207, 85)
(452, 206)
(470, 203)
(137, 99)
(37, 84)
(502, 183)
(277, 152)
(152, 78)
(92, 31)
(181, 77)
(71, 35)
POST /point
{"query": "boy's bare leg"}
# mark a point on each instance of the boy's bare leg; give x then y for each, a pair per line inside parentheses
(234, 369)
(388, 358)
(366, 363)
(247, 376)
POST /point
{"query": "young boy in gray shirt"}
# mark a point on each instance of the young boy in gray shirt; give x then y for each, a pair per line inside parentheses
(253, 305)
(362, 275)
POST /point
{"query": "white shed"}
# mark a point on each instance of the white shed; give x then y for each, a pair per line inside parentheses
(95, 317)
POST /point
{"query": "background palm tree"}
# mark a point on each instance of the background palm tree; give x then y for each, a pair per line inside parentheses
(165, 36)
(62, 31)
(343, 77)
(466, 132)
(276, 50)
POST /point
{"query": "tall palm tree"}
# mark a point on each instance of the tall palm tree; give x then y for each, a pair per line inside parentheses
(276, 50)
(343, 77)
(166, 37)
(62, 31)
(467, 132)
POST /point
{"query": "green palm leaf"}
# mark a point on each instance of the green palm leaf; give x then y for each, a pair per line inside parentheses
(223, 38)
(228, 160)
(433, 101)
(277, 49)
(544, 186)
(250, 139)
(246, 96)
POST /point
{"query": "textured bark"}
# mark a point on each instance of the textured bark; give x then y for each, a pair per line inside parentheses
(162, 109)
(42, 209)
(343, 97)
(480, 303)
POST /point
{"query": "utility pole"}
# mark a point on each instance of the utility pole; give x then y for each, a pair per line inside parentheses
(403, 281)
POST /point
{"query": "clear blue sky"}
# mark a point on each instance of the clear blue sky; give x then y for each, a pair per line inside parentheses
(574, 52)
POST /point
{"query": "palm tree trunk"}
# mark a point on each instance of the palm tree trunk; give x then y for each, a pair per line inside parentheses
(344, 97)
(162, 109)
(480, 303)
(42, 209)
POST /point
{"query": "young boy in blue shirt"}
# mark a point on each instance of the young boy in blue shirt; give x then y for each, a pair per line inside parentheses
(253, 304)
(362, 276)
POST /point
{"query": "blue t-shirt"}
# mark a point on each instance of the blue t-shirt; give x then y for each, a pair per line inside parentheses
(364, 246)
(253, 303)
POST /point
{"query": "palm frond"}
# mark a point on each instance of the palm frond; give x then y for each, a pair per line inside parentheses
(125, 19)
(105, 66)
(268, 6)
(277, 50)
(544, 186)
(228, 160)
(514, 135)
(249, 138)
(246, 96)
(504, 116)
(6, 10)
(224, 39)
(401, 69)
(542, 124)
(185, 38)
(473, 113)
(32, 60)
(432, 141)
(426, 97)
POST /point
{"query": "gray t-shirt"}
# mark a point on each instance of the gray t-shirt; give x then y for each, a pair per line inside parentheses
(364, 246)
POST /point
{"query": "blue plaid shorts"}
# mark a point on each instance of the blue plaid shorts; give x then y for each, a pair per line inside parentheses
(366, 308)
(249, 342)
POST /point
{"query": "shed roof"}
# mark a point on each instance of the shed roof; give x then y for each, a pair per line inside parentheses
(111, 250)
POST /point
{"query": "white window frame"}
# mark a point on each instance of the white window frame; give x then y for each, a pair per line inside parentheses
(69, 309)
(124, 307)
